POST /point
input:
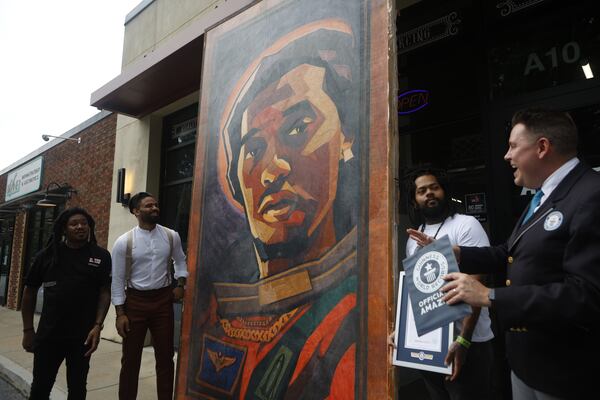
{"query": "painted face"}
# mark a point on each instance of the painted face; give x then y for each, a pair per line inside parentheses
(429, 195)
(148, 210)
(77, 229)
(289, 159)
(522, 155)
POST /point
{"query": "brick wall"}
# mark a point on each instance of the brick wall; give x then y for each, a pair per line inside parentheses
(15, 276)
(87, 167)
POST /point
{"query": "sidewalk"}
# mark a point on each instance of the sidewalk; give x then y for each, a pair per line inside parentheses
(16, 365)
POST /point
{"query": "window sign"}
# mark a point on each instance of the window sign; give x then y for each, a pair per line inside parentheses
(476, 206)
(24, 180)
(507, 7)
(435, 30)
(412, 101)
(541, 61)
(546, 52)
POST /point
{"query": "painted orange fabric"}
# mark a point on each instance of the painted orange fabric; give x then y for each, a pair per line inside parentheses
(342, 384)
(324, 333)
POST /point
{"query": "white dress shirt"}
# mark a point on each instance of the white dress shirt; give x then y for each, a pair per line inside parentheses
(150, 257)
(557, 176)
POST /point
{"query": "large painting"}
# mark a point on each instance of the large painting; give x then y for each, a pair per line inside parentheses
(273, 309)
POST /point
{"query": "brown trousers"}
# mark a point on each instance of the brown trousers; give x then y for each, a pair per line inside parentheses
(148, 309)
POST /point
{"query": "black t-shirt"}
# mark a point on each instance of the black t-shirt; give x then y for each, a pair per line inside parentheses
(71, 290)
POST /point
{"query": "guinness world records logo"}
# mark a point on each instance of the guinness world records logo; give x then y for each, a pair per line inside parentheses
(428, 268)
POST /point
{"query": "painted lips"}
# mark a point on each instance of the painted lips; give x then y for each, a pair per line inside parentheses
(280, 206)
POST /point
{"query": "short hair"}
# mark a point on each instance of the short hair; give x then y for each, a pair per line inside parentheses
(441, 176)
(557, 126)
(136, 199)
(330, 49)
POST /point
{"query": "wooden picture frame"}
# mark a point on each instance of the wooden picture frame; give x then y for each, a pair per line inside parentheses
(290, 258)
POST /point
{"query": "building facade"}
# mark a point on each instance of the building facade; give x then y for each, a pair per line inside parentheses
(462, 68)
(72, 170)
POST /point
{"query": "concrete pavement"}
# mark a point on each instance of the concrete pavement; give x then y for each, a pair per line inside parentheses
(16, 365)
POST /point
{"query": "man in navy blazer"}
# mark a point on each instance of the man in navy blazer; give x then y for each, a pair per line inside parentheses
(550, 307)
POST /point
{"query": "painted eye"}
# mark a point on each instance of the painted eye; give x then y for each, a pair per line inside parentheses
(253, 149)
(301, 127)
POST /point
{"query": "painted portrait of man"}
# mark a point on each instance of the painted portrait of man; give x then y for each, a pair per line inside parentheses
(279, 317)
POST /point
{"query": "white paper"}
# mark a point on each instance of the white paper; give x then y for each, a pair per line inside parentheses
(431, 341)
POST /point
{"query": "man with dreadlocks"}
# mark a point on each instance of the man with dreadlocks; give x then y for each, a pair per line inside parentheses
(75, 274)
(434, 216)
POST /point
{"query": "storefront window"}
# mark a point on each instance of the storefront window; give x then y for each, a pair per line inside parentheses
(7, 225)
(179, 147)
(39, 230)
(464, 68)
(543, 50)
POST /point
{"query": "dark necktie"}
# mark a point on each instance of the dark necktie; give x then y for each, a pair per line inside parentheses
(535, 202)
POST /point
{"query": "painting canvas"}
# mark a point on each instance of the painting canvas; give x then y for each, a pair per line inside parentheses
(277, 285)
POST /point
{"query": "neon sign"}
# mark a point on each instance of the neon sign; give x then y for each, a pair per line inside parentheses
(412, 101)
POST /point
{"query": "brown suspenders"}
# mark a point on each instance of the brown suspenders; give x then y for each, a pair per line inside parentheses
(129, 257)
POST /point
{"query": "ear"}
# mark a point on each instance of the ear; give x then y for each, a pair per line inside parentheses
(543, 147)
(346, 150)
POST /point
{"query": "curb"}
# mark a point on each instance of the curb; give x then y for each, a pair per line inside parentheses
(19, 378)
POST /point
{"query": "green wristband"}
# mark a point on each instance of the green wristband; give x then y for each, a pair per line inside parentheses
(464, 342)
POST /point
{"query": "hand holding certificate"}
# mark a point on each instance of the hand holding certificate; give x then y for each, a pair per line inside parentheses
(424, 322)
(427, 352)
(424, 274)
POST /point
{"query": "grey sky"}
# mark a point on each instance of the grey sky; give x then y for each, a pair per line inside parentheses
(54, 55)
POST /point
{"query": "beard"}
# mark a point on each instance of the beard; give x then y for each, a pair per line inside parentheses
(436, 212)
(150, 219)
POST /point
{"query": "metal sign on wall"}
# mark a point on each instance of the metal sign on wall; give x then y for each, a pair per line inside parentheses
(24, 180)
(435, 30)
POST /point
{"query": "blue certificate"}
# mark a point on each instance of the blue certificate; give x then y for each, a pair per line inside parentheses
(426, 352)
(424, 272)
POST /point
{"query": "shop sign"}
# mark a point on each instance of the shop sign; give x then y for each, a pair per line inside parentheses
(24, 180)
(508, 7)
(476, 206)
(570, 53)
(412, 101)
(428, 33)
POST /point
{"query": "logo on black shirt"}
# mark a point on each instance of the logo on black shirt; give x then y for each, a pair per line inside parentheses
(94, 262)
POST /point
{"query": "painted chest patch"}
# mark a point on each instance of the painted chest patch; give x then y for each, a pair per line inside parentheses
(553, 221)
(220, 365)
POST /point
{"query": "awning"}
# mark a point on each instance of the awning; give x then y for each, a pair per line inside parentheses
(170, 72)
(29, 200)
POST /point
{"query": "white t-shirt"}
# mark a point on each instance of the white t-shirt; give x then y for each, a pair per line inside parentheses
(462, 230)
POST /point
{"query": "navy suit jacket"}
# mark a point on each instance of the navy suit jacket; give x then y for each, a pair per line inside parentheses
(550, 307)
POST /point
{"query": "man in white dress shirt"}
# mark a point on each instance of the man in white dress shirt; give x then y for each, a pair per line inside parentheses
(143, 294)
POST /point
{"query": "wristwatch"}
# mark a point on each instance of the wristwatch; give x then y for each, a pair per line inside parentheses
(492, 295)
